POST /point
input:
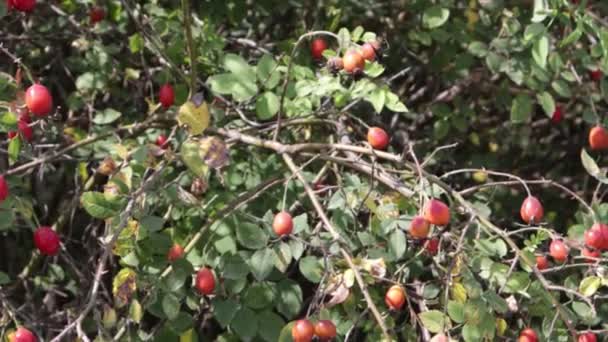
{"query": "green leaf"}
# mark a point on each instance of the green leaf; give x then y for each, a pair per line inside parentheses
(176, 279)
(397, 244)
(546, 101)
(97, 206)
(224, 310)
(590, 285)
(4, 278)
(152, 223)
(235, 267)
(135, 311)
(283, 256)
(344, 37)
(471, 333)
(171, 306)
(14, 147)
(521, 109)
(497, 303)
(262, 263)
(456, 311)
(191, 157)
(136, 43)
(562, 88)
(435, 16)
(533, 30)
(106, 116)
(592, 168)
(267, 105)
(289, 299)
(540, 51)
(251, 236)
(267, 72)
(270, 326)
(311, 268)
(434, 320)
(478, 49)
(245, 323)
(541, 9)
(239, 67)
(259, 296)
(517, 282)
(377, 99)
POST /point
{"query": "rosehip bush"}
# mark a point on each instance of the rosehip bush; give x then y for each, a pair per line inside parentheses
(283, 171)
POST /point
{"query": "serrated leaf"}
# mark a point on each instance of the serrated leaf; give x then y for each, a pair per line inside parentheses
(245, 323)
(267, 105)
(97, 206)
(289, 299)
(521, 109)
(251, 236)
(377, 99)
(171, 306)
(540, 51)
(590, 285)
(106, 116)
(546, 101)
(270, 326)
(262, 263)
(434, 320)
(224, 310)
(311, 268)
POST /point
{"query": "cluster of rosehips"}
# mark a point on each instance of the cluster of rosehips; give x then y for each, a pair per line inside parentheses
(96, 14)
(353, 61)
(303, 330)
(529, 335)
(204, 280)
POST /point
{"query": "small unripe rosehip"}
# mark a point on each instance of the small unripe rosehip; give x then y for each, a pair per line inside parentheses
(528, 335)
(370, 50)
(558, 250)
(353, 62)
(377, 138)
(38, 100)
(282, 223)
(166, 96)
(205, 281)
(419, 228)
(46, 240)
(161, 141)
(437, 212)
(541, 262)
(395, 297)
(558, 115)
(531, 210)
(432, 246)
(317, 47)
(175, 252)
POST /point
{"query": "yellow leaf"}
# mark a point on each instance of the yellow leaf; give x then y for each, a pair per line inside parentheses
(123, 286)
(187, 336)
(501, 326)
(194, 114)
(459, 293)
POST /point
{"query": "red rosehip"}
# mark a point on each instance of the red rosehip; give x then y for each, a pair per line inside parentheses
(531, 210)
(603, 229)
(325, 330)
(353, 62)
(419, 228)
(377, 138)
(96, 14)
(587, 337)
(317, 47)
(541, 262)
(591, 255)
(432, 246)
(558, 115)
(166, 96)
(22, 5)
(4, 191)
(437, 212)
(598, 138)
(12, 134)
(395, 297)
(26, 131)
(161, 141)
(38, 100)
(596, 75)
(528, 335)
(282, 224)
(594, 238)
(369, 50)
(23, 335)
(175, 252)
(205, 281)
(46, 240)
(302, 331)
(558, 250)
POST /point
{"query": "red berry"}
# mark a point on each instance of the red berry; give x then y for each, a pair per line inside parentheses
(317, 47)
(4, 192)
(205, 281)
(369, 50)
(395, 297)
(596, 75)
(353, 62)
(175, 252)
(594, 238)
(325, 330)
(558, 115)
(432, 246)
(23, 335)
(302, 331)
(437, 212)
(558, 250)
(587, 337)
(529, 335)
(598, 138)
(22, 5)
(96, 15)
(12, 134)
(166, 96)
(531, 210)
(282, 223)
(161, 141)
(46, 240)
(542, 262)
(26, 131)
(38, 100)
(603, 229)
(419, 228)
(377, 138)
(591, 255)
